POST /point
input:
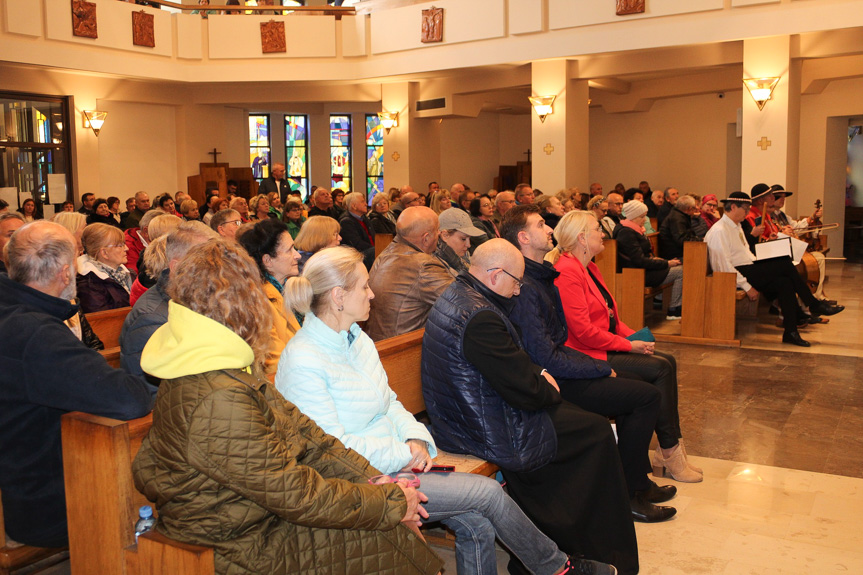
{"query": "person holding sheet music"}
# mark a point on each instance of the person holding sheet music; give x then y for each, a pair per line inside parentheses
(776, 277)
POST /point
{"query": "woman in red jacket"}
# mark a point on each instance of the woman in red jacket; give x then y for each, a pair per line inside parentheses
(594, 327)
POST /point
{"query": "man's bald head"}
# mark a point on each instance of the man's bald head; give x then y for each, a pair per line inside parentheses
(419, 226)
(499, 266)
(455, 191)
(42, 255)
(409, 199)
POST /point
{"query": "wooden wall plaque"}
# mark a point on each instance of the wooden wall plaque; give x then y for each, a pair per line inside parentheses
(625, 7)
(84, 19)
(142, 29)
(273, 37)
(432, 25)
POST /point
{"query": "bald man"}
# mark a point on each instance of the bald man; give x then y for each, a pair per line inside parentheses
(485, 397)
(406, 278)
(47, 371)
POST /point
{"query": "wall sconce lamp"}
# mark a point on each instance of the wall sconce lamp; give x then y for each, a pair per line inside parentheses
(542, 105)
(94, 119)
(389, 120)
(761, 89)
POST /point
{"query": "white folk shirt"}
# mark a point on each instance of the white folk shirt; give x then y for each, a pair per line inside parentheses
(727, 248)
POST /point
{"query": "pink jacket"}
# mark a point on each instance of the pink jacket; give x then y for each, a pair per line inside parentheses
(586, 312)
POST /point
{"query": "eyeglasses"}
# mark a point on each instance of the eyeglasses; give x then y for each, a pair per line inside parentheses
(517, 281)
(238, 223)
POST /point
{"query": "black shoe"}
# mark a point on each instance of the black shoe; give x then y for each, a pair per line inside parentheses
(774, 309)
(646, 512)
(578, 566)
(823, 308)
(794, 337)
(674, 313)
(657, 494)
(830, 301)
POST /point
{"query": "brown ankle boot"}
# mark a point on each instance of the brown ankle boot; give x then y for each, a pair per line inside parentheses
(675, 466)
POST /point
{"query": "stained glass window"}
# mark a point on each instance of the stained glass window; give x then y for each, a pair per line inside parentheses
(374, 156)
(259, 145)
(297, 153)
(340, 151)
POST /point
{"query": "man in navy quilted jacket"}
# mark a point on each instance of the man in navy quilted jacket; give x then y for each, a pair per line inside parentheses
(485, 397)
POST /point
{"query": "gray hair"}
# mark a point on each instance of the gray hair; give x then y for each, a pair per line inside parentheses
(149, 216)
(353, 198)
(328, 269)
(222, 216)
(685, 203)
(37, 252)
(16, 216)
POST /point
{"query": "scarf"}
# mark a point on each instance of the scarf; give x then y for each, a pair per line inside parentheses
(632, 226)
(120, 274)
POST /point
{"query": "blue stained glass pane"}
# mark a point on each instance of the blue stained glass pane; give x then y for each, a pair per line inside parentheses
(260, 161)
(295, 130)
(340, 183)
(259, 131)
(340, 130)
(374, 185)
(374, 131)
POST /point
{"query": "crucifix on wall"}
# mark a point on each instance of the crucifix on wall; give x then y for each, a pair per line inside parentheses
(215, 153)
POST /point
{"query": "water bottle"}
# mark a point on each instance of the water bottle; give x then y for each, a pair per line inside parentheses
(145, 521)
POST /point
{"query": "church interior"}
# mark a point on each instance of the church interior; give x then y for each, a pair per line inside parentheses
(654, 94)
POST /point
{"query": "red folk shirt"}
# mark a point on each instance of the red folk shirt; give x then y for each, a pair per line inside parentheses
(770, 227)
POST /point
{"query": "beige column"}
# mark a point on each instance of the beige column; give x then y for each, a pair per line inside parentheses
(396, 98)
(768, 133)
(560, 144)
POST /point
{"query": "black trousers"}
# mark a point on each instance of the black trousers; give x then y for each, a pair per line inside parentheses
(777, 278)
(635, 406)
(579, 499)
(659, 370)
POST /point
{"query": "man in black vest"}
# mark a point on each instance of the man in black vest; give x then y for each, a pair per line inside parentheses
(487, 398)
(276, 182)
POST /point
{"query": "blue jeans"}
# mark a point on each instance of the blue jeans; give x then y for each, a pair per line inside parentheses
(477, 509)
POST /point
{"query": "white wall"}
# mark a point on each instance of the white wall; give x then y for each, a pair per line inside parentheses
(470, 151)
(680, 142)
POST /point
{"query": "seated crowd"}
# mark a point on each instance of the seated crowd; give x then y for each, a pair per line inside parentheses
(524, 359)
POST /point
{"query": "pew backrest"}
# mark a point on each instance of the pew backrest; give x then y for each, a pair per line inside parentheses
(108, 324)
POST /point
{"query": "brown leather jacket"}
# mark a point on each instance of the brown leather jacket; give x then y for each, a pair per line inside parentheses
(406, 283)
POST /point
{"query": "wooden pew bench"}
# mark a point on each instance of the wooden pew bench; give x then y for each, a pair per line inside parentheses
(102, 502)
(108, 325)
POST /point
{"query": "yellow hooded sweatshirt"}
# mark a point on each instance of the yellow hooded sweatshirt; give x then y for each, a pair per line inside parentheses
(191, 343)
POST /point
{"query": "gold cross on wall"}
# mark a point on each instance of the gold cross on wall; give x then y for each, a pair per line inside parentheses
(395, 156)
(548, 149)
(763, 143)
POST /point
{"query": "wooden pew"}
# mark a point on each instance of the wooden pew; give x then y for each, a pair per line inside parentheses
(381, 243)
(16, 556)
(108, 324)
(606, 261)
(628, 286)
(708, 302)
(102, 502)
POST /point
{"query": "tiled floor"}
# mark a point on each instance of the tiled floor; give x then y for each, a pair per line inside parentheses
(777, 430)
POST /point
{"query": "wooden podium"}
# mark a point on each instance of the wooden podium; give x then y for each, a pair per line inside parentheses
(216, 175)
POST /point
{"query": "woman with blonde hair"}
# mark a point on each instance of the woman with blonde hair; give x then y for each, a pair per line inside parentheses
(331, 371)
(233, 466)
(103, 281)
(317, 233)
(594, 328)
(259, 208)
(189, 210)
(440, 201)
(381, 217)
(75, 222)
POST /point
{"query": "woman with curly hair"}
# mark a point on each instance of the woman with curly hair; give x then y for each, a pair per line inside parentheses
(233, 466)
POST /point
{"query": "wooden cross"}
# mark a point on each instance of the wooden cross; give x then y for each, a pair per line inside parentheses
(548, 149)
(214, 153)
(528, 154)
(763, 143)
(395, 156)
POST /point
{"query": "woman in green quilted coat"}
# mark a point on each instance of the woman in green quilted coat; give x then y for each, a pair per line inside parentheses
(231, 465)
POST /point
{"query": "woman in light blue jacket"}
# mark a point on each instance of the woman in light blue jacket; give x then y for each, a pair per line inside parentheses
(331, 370)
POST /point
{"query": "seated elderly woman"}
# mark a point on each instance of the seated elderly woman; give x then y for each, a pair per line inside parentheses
(293, 217)
(331, 371)
(233, 466)
(382, 219)
(272, 248)
(102, 214)
(634, 251)
(440, 201)
(103, 282)
(552, 210)
(482, 216)
(456, 231)
(599, 207)
(317, 233)
(259, 207)
(189, 210)
(594, 328)
(241, 206)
